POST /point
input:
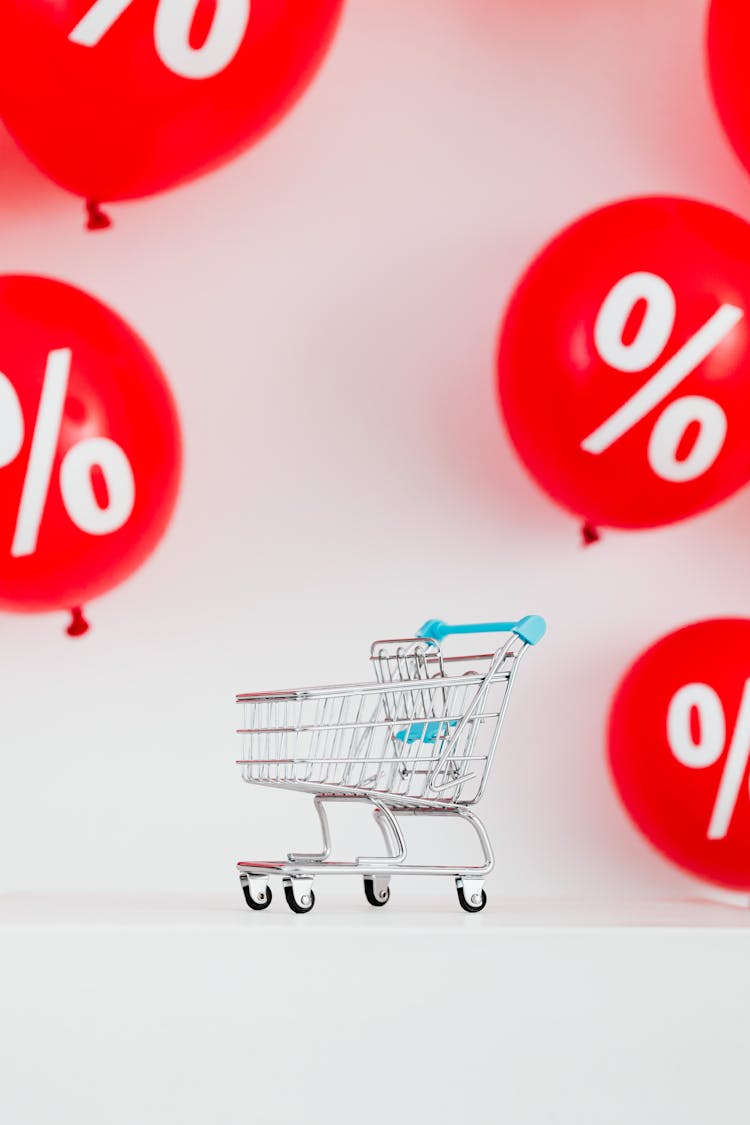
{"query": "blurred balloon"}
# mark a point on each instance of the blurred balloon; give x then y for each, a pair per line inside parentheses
(90, 448)
(729, 70)
(624, 363)
(116, 99)
(679, 742)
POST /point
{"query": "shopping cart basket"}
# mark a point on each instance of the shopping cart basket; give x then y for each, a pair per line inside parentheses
(418, 741)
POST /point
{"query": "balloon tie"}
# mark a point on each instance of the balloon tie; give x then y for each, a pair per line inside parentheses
(97, 219)
(78, 623)
(590, 534)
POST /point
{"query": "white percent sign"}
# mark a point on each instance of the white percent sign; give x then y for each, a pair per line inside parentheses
(172, 24)
(702, 701)
(76, 484)
(638, 354)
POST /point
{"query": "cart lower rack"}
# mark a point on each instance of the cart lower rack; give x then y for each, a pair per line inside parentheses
(417, 741)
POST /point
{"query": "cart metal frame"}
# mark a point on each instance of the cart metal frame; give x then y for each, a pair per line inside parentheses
(419, 741)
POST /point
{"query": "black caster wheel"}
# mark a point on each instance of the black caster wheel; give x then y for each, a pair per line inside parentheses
(257, 903)
(306, 903)
(467, 904)
(371, 895)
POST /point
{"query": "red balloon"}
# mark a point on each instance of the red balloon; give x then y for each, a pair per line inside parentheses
(728, 63)
(679, 741)
(122, 98)
(90, 447)
(624, 362)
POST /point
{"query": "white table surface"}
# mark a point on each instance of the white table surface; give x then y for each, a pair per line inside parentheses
(156, 1009)
(344, 910)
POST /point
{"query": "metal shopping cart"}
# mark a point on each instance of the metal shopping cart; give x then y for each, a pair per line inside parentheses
(417, 741)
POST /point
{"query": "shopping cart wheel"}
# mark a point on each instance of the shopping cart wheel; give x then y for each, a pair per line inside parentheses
(300, 896)
(472, 898)
(256, 897)
(377, 891)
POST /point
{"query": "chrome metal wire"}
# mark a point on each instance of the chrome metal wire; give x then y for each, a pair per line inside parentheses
(426, 730)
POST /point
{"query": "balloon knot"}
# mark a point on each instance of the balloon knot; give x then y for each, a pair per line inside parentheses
(97, 219)
(78, 623)
(589, 534)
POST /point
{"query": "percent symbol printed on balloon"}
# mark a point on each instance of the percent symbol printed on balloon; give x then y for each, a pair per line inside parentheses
(647, 346)
(699, 703)
(172, 26)
(76, 484)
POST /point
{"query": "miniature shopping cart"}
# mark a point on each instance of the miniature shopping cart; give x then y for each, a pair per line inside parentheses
(417, 741)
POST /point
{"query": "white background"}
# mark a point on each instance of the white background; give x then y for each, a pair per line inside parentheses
(326, 310)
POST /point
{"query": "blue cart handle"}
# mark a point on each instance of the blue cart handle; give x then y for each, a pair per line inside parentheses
(530, 629)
